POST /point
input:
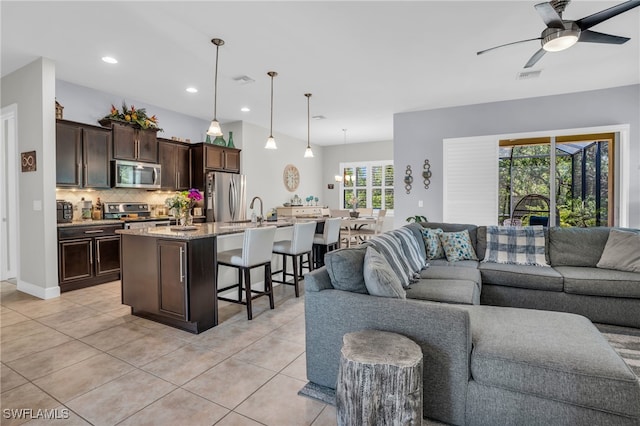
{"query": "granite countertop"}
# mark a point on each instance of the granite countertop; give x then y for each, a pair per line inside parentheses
(90, 222)
(203, 230)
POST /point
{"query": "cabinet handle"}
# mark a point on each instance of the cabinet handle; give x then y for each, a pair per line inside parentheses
(79, 173)
(94, 232)
(85, 174)
(135, 149)
(181, 264)
(177, 179)
(91, 255)
(98, 252)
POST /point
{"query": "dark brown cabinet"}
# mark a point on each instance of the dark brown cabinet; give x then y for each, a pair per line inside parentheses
(172, 278)
(171, 281)
(176, 166)
(88, 255)
(130, 143)
(206, 157)
(83, 153)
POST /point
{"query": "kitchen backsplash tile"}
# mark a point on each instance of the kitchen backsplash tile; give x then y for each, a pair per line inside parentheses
(152, 198)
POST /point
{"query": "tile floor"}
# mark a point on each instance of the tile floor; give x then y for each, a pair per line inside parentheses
(85, 355)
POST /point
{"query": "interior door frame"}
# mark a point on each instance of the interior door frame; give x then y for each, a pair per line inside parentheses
(9, 220)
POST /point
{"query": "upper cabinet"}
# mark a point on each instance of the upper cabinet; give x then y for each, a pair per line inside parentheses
(207, 157)
(130, 143)
(83, 153)
(175, 161)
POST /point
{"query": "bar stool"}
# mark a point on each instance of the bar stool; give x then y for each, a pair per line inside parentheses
(301, 243)
(255, 252)
(327, 241)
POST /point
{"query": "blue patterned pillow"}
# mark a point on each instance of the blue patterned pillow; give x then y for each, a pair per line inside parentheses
(516, 245)
(457, 246)
(432, 243)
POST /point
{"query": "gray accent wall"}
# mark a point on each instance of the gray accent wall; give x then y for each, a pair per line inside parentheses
(418, 136)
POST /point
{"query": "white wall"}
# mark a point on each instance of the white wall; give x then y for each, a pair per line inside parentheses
(336, 154)
(264, 167)
(32, 88)
(418, 136)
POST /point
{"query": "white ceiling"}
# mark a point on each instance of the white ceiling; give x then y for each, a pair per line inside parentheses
(362, 61)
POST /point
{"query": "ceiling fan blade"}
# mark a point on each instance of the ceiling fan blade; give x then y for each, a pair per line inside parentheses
(589, 36)
(508, 44)
(549, 15)
(535, 58)
(603, 15)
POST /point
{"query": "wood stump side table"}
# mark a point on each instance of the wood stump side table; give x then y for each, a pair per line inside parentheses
(379, 380)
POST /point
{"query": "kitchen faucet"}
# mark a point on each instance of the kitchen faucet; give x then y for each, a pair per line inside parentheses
(261, 217)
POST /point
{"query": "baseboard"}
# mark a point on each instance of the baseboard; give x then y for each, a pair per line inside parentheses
(37, 291)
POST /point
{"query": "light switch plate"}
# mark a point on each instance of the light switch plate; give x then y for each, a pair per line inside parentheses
(37, 205)
(420, 203)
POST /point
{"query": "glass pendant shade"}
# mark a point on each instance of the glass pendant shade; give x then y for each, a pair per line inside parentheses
(214, 129)
(271, 143)
(308, 153)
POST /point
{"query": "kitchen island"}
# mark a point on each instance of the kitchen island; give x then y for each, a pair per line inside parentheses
(169, 275)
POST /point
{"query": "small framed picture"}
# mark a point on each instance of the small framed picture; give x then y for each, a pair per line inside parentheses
(330, 186)
(28, 161)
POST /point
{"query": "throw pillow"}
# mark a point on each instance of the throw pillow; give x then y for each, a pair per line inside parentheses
(432, 243)
(622, 251)
(345, 269)
(380, 278)
(401, 250)
(457, 246)
(516, 245)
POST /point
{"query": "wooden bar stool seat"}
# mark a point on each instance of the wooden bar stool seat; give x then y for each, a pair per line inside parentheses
(301, 244)
(255, 252)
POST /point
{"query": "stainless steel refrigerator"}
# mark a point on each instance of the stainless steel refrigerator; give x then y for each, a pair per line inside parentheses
(225, 197)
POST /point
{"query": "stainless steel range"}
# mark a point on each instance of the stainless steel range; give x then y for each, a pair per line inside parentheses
(134, 215)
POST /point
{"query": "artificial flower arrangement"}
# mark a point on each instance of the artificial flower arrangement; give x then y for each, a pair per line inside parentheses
(132, 115)
(183, 201)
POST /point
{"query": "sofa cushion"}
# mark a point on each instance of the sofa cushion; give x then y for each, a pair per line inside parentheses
(622, 251)
(400, 248)
(516, 245)
(472, 264)
(553, 355)
(379, 278)
(452, 273)
(576, 246)
(457, 246)
(522, 276)
(432, 243)
(345, 268)
(600, 282)
(445, 290)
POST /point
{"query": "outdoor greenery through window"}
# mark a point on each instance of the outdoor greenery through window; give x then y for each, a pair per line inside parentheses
(582, 186)
(370, 184)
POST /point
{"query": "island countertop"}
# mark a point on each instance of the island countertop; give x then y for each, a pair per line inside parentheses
(203, 230)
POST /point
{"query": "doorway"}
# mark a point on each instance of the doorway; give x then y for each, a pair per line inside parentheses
(8, 194)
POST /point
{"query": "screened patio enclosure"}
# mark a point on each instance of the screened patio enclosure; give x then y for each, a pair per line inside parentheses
(580, 193)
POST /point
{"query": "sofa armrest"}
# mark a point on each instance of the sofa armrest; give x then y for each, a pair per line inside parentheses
(442, 331)
(317, 280)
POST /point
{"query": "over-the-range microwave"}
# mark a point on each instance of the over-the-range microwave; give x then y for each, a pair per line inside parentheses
(134, 174)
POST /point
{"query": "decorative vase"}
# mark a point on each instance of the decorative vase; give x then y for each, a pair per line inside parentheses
(230, 144)
(219, 140)
(208, 139)
(185, 218)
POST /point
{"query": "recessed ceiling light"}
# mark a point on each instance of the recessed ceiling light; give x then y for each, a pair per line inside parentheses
(245, 109)
(109, 60)
(192, 90)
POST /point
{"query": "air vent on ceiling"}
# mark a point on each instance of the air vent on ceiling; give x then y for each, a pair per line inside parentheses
(319, 117)
(244, 79)
(528, 75)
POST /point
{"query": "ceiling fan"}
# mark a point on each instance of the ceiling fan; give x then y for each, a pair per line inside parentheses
(561, 34)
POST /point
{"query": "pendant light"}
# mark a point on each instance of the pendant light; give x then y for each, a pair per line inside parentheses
(338, 178)
(308, 153)
(214, 128)
(271, 142)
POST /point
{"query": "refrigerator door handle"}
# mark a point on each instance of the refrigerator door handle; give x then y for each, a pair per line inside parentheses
(232, 199)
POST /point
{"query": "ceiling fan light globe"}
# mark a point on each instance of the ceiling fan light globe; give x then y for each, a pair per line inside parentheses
(214, 128)
(271, 143)
(556, 40)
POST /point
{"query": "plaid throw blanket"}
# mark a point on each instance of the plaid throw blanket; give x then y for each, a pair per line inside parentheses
(516, 245)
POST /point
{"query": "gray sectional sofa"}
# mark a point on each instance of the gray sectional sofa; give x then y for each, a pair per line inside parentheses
(573, 283)
(483, 365)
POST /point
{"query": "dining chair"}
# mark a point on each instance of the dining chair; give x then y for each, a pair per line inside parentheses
(339, 213)
(366, 232)
(301, 244)
(255, 252)
(365, 211)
